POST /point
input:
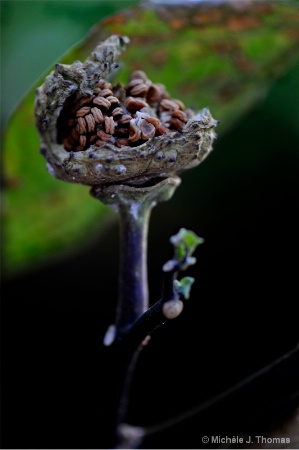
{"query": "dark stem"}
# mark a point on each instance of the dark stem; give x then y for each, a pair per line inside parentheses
(133, 284)
(267, 380)
(134, 205)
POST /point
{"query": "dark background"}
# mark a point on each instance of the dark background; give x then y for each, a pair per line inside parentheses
(241, 316)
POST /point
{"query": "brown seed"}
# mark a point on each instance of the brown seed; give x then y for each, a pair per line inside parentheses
(156, 93)
(125, 119)
(138, 74)
(135, 82)
(97, 114)
(176, 123)
(93, 138)
(112, 99)
(153, 94)
(179, 115)
(82, 101)
(83, 111)
(122, 142)
(99, 143)
(101, 101)
(117, 111)
(105, 92)
(180, 104)
(139, 89)
(135, 132)
(103, 136)
(82, 140)
(81, 126)
(168, 105)
(97, 90)
(148, 130)
(103, 84)
(109, 125)
(162, 129)
(135, 104)
(154, 120)
(90, 122)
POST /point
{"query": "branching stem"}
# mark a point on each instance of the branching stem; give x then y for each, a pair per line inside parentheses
(134, 205)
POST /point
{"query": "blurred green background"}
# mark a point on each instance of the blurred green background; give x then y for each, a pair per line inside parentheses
(34, 36)
(227, 58)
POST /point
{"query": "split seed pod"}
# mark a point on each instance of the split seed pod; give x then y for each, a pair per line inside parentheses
(94, 133)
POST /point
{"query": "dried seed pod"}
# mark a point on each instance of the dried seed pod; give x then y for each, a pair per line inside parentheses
(135, 130)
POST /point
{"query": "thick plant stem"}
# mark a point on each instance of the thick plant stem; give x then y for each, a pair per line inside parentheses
(133, 284)
(134, 205)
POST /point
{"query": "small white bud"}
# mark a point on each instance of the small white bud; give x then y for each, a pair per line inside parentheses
(110, 335)
(172, 308)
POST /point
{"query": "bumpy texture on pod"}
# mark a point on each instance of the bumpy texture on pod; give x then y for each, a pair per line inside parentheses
(161, 140)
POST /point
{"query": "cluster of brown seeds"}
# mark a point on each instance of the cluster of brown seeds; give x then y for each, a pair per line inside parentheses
(121, 115)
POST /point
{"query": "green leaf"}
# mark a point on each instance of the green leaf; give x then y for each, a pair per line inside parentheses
(183, 286)
(185, 243)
